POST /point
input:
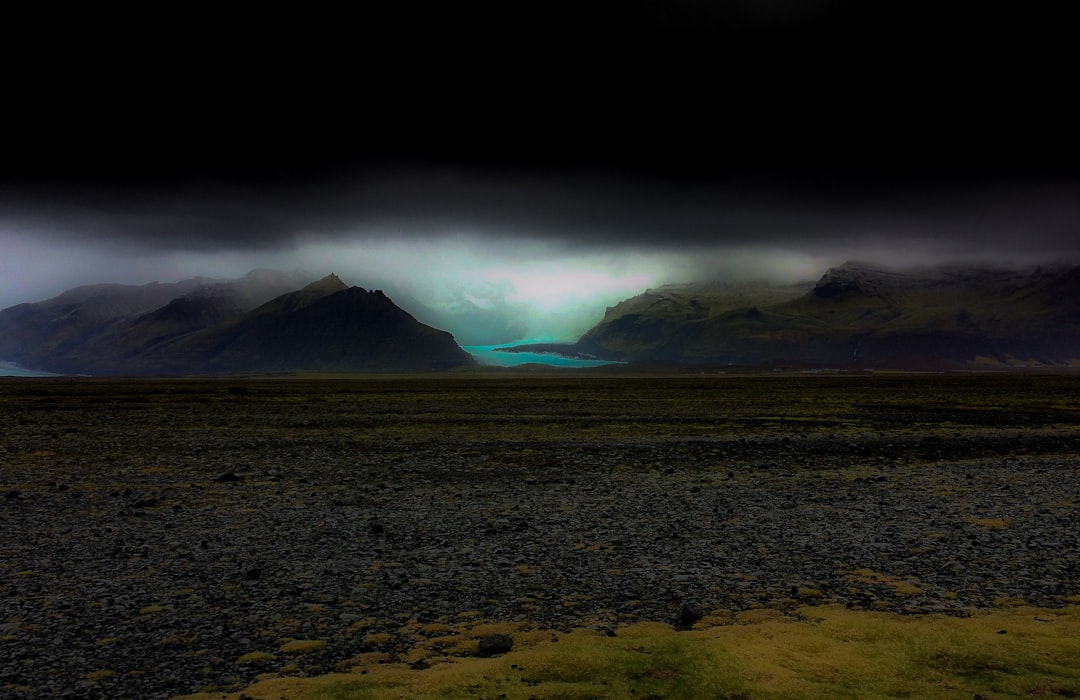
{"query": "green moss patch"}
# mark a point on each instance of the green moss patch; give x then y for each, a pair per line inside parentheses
(818, 652)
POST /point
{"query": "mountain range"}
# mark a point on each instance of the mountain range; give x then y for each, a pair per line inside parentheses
(855, 315)
(258, 323)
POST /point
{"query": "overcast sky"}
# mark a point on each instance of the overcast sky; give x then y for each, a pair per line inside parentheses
(547, 163)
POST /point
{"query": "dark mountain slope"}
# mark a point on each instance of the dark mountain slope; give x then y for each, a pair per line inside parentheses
(36, 334)
(858, 316)
(87, 328)
(203, 308)
(352, 329)
(677, 322)
(325, 326)
(224, 327)
(188, 352)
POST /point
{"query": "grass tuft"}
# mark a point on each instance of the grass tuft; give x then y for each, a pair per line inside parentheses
(900, 586)
(303, 646)
(255, 658)
(103, 674)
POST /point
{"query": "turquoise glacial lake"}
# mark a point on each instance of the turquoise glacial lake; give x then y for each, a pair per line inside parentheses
(489, 355)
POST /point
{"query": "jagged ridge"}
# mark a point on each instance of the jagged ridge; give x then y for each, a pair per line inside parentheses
(218, 327)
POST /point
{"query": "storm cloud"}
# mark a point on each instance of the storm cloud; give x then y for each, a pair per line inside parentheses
(551, 243)
(586, 210)
(542, 165)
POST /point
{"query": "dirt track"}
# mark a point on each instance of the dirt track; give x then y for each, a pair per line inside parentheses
(157, 531)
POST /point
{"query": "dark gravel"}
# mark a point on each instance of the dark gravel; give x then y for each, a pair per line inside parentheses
(145, 550)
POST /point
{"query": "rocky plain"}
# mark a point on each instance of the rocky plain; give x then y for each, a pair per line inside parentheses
(161, 537)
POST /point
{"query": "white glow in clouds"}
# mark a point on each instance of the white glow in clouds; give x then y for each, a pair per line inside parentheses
(526, 288)
(563, 299)
(543, 291)
(482, 288)
(549, 288)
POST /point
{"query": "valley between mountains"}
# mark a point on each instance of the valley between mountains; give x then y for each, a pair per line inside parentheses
(856, 316)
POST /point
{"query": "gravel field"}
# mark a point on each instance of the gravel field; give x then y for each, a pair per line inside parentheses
(156, 532)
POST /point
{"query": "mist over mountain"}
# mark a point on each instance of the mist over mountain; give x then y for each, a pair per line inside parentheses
(209, 326)
(472, 321)
(531, 165)
(855, 316)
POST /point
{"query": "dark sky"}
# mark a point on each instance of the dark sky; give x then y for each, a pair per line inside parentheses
(682, 89)
(648, 140)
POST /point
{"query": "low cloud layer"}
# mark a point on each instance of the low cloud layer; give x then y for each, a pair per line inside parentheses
(543, 251)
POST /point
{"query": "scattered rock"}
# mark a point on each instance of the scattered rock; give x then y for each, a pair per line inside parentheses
(688, 616)
(469, 534)
(495, 644)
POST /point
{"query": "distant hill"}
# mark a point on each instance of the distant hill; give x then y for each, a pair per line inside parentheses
(32, 333)
(203, 326)
(856, 315)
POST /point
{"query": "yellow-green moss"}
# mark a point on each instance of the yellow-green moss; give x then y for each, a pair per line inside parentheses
(303, 646)
(255, 658)
(819, 652)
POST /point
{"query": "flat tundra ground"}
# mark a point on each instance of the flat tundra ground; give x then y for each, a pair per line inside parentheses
(166, 536)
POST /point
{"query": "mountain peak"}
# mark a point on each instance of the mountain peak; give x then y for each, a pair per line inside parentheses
(327, 285)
